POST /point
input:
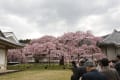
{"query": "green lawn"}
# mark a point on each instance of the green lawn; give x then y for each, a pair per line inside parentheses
(38, 75)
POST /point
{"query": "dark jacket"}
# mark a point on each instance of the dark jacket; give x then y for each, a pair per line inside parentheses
(93, 75)
(117, 67)
(78, 72)
(110, 73)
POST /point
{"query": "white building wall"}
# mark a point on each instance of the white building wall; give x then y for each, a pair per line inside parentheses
(111, 53)
(104, 50)
(3, 61)
(118, 50)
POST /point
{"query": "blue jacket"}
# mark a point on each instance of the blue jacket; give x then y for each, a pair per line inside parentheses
(94, 75)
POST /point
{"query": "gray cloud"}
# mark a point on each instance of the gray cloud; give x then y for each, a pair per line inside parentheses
(35, 18)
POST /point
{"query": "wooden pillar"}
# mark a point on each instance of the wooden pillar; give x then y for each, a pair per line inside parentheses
(6, 50)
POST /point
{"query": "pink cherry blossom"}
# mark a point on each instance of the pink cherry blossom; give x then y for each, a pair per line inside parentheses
(71, 45)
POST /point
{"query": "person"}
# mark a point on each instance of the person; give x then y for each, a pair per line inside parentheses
(110, 73)
(111, 64)
(117, 65)
(75, 75)
(92, 73)
(77, 71)
(82, 61)
(98, 67)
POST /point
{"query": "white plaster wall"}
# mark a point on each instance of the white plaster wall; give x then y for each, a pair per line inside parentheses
(118, 50)
(104, 50)
(111, 52)
(2, 59)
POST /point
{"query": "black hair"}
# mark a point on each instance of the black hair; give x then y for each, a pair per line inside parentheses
(104, 62)
(73, 64)
(118, 56)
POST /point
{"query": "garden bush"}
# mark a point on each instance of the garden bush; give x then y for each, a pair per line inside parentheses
(38, 66)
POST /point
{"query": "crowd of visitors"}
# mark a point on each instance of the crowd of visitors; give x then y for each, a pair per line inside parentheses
(103, 69)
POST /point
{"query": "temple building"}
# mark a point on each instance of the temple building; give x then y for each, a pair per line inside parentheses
(110, 45)
(6, 42)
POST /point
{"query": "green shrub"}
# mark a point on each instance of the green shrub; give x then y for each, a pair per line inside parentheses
(38, 66)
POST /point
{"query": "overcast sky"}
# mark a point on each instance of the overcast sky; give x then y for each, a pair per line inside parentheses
(35, 18)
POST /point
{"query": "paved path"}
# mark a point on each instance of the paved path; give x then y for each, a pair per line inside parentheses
(7, 71)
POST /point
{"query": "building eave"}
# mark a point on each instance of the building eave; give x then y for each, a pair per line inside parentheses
(9, 44)
(101, 44)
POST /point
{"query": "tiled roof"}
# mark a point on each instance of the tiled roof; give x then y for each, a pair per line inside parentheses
(113, 38)
(11, 36)
(9, 43)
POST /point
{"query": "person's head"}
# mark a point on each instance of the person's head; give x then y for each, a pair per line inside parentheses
(118, 57)
(104, 62)
(73, 63)
(89, 66)
(82, 62)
